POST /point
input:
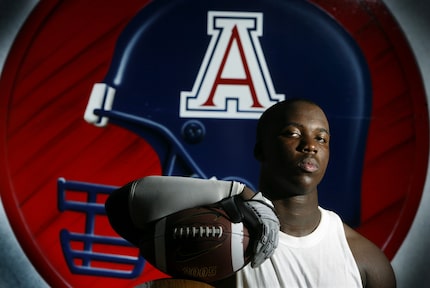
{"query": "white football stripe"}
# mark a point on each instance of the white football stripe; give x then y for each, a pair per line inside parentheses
(237, 260)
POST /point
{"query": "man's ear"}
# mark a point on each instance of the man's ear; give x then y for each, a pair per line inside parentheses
(258, 151)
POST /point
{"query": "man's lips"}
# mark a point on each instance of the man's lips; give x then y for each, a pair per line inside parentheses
(308, 165)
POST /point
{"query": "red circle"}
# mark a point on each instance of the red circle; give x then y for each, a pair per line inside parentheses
(66, 46)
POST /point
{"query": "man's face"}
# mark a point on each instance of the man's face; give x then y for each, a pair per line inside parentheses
(295, 150)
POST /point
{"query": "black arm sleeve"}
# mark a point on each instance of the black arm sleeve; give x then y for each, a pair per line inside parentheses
(117, 210)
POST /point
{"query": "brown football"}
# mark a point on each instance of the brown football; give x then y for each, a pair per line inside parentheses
(198, 243)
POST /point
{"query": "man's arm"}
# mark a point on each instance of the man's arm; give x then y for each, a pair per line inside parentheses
(140, 202)
(154, 197)
(150, 198)
(375, 268)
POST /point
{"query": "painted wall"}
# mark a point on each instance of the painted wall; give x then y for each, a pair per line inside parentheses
(410, 262)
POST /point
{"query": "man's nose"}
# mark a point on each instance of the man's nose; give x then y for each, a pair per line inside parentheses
(308, 146)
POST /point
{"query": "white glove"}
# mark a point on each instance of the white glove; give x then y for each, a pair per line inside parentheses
(261, 221)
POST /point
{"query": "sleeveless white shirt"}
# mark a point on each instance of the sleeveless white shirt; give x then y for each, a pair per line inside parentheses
(320, 259)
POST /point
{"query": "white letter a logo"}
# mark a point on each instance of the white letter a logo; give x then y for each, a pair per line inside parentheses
(233, 81)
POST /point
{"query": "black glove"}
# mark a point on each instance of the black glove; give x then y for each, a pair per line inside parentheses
(261, 221)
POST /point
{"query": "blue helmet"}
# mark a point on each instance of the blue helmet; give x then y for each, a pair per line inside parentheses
(192, 78)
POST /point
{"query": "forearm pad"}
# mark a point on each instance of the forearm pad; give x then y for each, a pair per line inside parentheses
(154, 197)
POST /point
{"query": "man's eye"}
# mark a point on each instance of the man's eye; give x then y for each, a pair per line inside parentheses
(293, 134)
(322, 139)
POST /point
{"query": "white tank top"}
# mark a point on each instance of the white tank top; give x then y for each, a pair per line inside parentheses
(320, 259)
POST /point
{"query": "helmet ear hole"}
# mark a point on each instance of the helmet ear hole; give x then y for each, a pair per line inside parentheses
(193, 132)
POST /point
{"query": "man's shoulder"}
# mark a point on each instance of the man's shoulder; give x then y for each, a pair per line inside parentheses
(374, 266)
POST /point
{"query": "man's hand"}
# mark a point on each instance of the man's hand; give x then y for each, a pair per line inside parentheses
(261, 221)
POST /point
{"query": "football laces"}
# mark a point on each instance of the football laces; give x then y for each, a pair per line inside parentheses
(197, 232)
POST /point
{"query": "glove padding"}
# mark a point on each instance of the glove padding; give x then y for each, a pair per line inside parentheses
(261, 221)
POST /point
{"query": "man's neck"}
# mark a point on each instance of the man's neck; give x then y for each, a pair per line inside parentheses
(299, 215)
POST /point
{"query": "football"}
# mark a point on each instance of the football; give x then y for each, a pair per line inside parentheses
(198, 243)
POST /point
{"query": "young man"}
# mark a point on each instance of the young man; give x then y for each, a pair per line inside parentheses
(315, 248)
